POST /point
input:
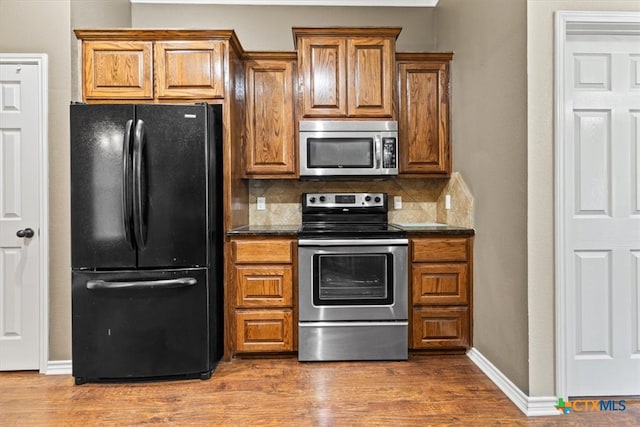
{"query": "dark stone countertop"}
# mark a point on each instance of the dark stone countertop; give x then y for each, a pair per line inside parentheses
(434, 228)
(265, 230)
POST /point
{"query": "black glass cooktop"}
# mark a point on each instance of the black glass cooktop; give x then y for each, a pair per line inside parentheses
(347, 230)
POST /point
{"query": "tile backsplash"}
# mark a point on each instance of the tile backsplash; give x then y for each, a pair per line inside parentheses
(423, 200)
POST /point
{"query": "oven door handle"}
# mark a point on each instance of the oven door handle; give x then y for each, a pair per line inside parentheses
(353, 242)
(378, 142)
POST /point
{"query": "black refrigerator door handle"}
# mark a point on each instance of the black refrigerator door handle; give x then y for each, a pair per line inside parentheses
(126, 183)
(139, 225)
(145, 284)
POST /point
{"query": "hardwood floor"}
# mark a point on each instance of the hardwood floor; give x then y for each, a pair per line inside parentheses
(435, 390)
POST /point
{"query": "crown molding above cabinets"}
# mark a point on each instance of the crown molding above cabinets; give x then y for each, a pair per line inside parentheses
(378, 3)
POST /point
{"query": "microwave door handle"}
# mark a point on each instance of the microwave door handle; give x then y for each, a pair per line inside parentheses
(378, 143)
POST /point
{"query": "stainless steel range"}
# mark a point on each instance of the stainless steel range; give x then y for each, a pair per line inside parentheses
(353, 296)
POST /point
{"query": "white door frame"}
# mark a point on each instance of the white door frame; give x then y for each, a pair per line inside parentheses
(41, 61)
(567, 23)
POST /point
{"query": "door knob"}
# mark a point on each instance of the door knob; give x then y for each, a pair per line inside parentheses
(27, 232)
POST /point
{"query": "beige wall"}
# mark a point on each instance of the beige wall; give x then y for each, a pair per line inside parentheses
(269, 27)
(540, 39)
(94, 14)
(43, 27)
(489, 134)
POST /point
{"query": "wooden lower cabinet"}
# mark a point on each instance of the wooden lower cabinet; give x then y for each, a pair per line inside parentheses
(261, 281)
(264, 330)
(440, 328)
(441, 293)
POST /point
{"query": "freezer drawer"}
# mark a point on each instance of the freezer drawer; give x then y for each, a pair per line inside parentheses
(141, 324)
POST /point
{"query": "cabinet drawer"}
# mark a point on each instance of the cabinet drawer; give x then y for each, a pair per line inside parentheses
(264, 330)
(263, 251)
(440, 283)
(440, 327)
(264, 286)
(439, 249)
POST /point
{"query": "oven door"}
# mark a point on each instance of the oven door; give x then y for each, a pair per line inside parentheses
(353, 279)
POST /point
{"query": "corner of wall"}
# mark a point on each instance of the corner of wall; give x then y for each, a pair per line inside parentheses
(461, 212)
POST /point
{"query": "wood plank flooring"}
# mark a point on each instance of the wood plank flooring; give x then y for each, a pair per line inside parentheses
(424, 391)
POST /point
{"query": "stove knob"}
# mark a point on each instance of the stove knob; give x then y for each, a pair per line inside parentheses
(367, 198)
(377, 199)
(322, 198)
(312, 199)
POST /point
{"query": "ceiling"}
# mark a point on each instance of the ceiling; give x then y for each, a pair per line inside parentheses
(384, 3)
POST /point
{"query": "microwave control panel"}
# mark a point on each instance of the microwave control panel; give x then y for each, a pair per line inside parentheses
(389, 153)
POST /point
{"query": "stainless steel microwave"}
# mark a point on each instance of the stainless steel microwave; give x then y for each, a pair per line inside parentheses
(348, 149)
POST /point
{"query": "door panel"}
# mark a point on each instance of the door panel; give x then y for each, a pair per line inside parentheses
(20, 130)
(97, 220)
(118, 70)
(370, 77)
(129, 333)
(602, 225)
(189, 69)
(323, 67)
(176, 186)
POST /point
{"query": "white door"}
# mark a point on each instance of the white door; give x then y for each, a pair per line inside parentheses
(20, 214)
(601, 186)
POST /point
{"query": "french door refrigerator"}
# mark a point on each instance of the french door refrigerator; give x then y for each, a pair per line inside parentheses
(146, 241)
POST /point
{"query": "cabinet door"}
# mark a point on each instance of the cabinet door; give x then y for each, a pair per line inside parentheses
(270, 121)
(264, 286)
(323, 67)
(440, 328)
(264, 330)
(424, 119)
(440, 283)
(117, 70)
(189, 69)
(370, 77)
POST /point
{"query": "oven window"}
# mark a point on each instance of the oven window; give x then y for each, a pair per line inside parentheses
(353, 279)
(340, 152)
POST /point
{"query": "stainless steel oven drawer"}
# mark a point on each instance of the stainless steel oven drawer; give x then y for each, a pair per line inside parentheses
(326, 341)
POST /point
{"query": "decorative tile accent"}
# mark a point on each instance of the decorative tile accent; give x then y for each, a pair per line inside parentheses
(422, 199)
(461, 213)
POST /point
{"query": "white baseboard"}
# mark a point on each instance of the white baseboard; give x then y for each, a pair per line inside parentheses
(58, 367)
(531, 406)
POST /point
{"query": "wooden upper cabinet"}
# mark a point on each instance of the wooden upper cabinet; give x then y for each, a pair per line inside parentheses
(423, 116)
(269, 116)
(189, 69)
(346, 72)
(156, 65)
(323, 68)
(370, 77)
(119, 70)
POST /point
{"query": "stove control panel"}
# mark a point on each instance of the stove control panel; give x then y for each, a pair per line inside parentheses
(346, 200)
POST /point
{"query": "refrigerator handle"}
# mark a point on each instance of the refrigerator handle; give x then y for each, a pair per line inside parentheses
(145, 284)
(139, 196)
(126, 183)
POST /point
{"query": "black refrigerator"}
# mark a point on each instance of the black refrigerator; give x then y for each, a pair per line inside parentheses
(146, 241)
